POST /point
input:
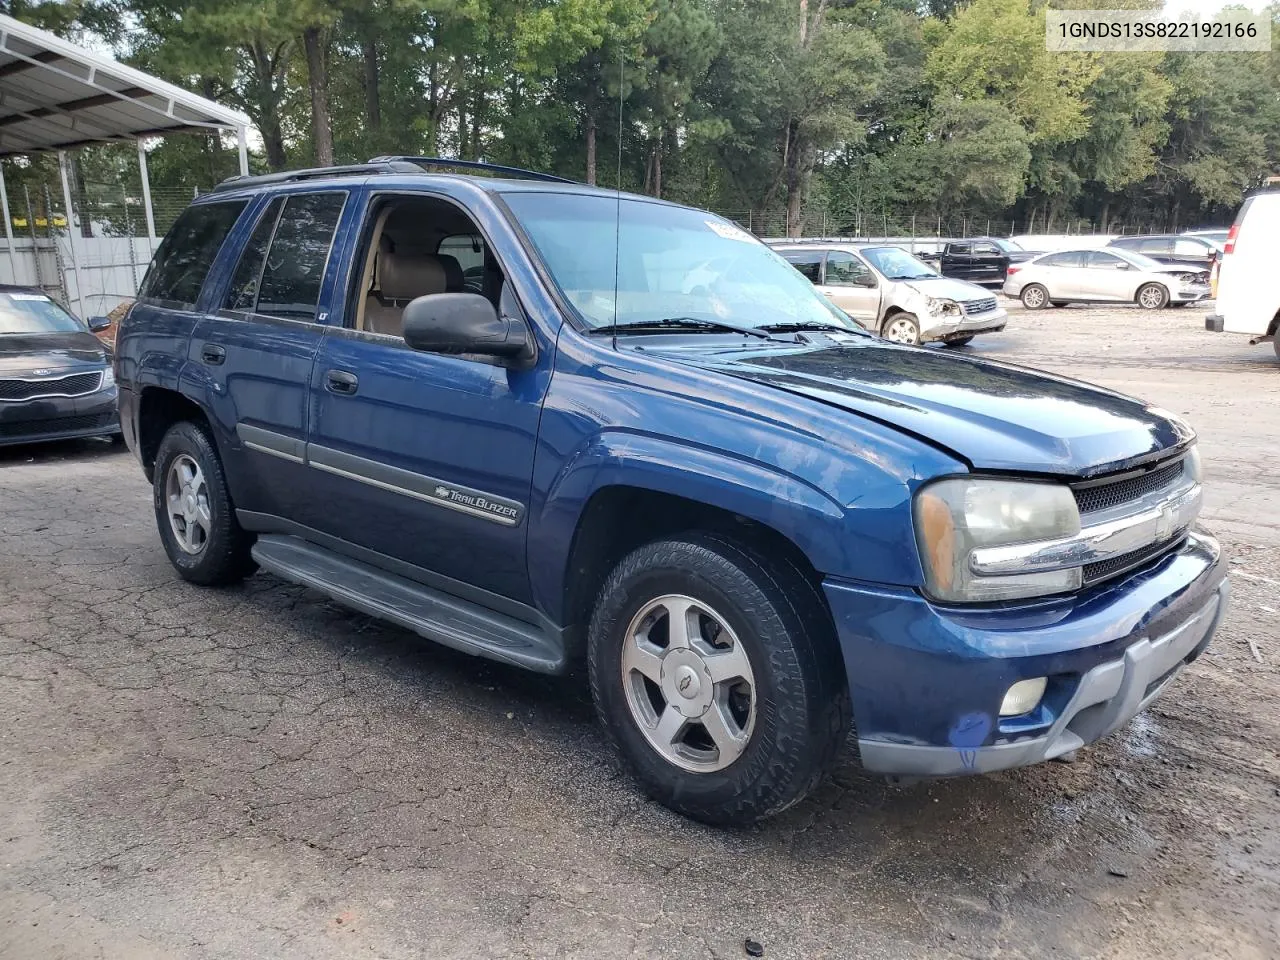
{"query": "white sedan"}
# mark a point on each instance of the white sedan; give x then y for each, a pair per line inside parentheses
(1104, 276)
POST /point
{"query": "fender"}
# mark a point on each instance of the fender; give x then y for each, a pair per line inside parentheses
(820, 522)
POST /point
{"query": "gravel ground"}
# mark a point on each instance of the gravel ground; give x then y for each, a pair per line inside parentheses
(257, 772)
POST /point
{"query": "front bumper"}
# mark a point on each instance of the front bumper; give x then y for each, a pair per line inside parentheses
(59, 418)
(1191, 293)
(927, 681)
(992, 321)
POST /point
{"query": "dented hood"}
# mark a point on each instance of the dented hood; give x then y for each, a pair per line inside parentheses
(996, 416)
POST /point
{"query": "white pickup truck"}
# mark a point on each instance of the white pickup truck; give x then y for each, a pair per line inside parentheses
(1248, 295)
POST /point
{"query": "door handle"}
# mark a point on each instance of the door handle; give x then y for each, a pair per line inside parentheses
(213, 354)
(339, 381)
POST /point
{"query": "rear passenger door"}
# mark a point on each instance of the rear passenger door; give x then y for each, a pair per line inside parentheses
(256, 347)
(987, 263)
(957, 260)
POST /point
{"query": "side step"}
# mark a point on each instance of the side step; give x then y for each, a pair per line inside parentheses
(437, 616)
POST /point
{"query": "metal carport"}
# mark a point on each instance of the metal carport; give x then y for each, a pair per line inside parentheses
(55, 96)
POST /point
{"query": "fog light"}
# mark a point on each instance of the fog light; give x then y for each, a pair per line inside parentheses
(1023, 697)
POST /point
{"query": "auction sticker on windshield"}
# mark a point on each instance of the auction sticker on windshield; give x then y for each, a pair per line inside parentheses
(730, 232)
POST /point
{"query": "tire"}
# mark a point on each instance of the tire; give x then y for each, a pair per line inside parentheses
(1152, 296)
(1034, 296)
(959, 341)
(785, 722)
(901, 328)
(216, 552)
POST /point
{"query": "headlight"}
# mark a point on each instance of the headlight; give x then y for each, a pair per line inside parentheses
(1193, 468)
(942, 308)
(108, 378)
(953, 517)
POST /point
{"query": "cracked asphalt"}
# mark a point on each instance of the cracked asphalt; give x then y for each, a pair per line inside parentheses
(257, 772)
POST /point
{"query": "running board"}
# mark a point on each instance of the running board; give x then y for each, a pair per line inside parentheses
(438, 616)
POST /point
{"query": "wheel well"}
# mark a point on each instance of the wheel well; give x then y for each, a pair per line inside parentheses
(158, 410)
(618, 519)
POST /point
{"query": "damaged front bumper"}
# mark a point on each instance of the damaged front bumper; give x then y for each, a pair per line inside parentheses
(927, 681)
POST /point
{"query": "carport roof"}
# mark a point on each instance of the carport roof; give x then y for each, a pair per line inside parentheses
(55, 95)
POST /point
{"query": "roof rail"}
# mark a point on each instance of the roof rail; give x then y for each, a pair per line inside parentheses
(444, 162)
(379, 166)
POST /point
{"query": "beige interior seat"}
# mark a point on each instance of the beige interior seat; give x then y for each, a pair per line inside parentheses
(400, 276)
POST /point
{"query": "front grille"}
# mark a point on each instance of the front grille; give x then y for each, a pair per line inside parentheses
(1106, 569)
(72, 386)
(972, 307)
(1104, 496)
(37, 428)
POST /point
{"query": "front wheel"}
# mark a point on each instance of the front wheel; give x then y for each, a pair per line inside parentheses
(902, 328)
(718, 678)
(1152, 296)
(194, 512)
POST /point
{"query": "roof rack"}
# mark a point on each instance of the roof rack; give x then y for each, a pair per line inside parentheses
(430, 163)
(382, 165)
(378, 166)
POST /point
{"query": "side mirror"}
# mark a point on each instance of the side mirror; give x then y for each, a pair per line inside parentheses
(97, 324)
(465, 323)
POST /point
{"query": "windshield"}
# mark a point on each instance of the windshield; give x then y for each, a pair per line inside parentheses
(1139, 260)
(896, 264)
(1007, 246)
(672, 263)
(34, 313)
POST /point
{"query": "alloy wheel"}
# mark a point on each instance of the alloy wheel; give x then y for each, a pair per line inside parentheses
(688, 683)
(187, 499)
(902, 330)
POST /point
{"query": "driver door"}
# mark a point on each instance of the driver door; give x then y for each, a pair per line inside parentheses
(852, 286)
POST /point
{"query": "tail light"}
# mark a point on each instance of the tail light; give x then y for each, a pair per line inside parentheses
(1013, 268)
(1230, 245)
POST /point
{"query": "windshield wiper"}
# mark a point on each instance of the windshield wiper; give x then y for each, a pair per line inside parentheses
(790, 325)
(681, 323)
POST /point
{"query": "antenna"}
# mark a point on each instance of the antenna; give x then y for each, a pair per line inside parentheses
(617, 187)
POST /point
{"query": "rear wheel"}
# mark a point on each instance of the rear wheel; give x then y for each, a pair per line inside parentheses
(1152, 296)
(194, 512)
(718, 678)
(1035, 296)
(902, 328)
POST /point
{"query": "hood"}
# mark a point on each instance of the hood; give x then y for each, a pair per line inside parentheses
(996, 416)
(948, 288)
(24, 352)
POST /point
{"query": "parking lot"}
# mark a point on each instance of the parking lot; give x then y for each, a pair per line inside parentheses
(257, 772)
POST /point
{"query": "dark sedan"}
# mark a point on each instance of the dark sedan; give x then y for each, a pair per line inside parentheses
(56, 380)
(1196, 253)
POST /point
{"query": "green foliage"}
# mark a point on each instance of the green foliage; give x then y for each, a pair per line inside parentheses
(861, 108)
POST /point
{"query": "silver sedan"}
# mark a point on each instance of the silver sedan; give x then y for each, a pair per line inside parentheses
(1104, 276)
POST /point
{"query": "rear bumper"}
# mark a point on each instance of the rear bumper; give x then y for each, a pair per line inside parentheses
(59, 418)
(927, 681)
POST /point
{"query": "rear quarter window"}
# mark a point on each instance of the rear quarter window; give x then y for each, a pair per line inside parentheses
(181, 264)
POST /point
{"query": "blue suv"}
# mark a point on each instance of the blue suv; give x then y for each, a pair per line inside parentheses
(547, 423)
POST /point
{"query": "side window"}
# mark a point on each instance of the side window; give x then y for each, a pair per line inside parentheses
(985, 249)
(808, 262)
(468, 250)
(243, 294)
(1190, 248)
(183, 261)
(846, 270)
(1106, 261)
(1154, 247)
(960, 249)
(294, 268)
(1070, 259)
